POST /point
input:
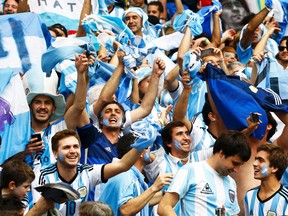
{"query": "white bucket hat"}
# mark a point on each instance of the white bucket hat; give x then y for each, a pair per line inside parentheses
(36, 83)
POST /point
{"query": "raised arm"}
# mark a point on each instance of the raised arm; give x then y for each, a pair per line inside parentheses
(252, 26)
(110, 87)
(216, 34)
(73, 114)
(149, 98)
(86, 10)
(184, 47)
(182, 103)
(272, 27)
(282, 140)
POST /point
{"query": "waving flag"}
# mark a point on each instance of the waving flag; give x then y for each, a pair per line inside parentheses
(65, 12)
(235, 100)
(14, 115)
(23, 39)
(207, 13)
(233, 103)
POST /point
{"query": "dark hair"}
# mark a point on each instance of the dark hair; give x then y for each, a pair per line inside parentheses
(273, 123)
(61, 135)
(206, 110)
(166, 134)
(11, 206)
(61, 27)
(106, 104)
(278, 158)
(17, 171)
(124, 144)
(283, 39)
(7, 0)
(159, 4)
(232, 143)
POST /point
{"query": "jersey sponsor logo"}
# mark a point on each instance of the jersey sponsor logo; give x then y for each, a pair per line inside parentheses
(207, 189)
(232, 195)
(82, 191)
(108, 149)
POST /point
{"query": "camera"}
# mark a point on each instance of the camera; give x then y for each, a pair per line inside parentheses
(254, 117)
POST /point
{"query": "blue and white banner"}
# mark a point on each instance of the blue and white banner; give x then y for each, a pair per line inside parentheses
(14, 115)
(66, 12)
(23, 40)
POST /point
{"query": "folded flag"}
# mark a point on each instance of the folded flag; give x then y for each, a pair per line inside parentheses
(190, 19)
(207, 14)
(59, 192)
(146, 131)
(235, 100)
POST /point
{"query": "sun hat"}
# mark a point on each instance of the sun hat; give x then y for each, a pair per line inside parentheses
(36, 83)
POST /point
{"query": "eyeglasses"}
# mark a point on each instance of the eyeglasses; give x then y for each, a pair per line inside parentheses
(282, 48)
(229, 54)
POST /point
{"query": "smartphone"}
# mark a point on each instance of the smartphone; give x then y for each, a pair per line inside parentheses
(206, 52)
(38, 136)
(254, 117)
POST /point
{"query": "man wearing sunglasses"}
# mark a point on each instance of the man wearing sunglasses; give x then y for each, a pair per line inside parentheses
(271, 71)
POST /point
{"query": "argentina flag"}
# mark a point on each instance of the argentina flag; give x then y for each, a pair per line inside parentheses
(14, 115)
(23, 39)
(207, 13)
(236, 99)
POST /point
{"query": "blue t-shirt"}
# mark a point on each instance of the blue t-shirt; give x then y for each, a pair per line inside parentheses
(95, 147)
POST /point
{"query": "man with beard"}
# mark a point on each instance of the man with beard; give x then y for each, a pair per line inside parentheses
(10, 6)
(48, 114)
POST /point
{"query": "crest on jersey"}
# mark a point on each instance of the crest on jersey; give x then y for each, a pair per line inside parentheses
(271, 213)
(82, 191)
(232, 195)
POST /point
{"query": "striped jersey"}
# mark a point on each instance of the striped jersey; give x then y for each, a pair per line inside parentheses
(88, 176)
(201, 190)
(272, 206)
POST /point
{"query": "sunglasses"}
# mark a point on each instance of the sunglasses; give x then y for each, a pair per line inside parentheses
(282, 48)
(229, 54)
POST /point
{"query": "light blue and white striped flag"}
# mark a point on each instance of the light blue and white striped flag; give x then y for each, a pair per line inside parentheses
(23, 41)
(14, 115)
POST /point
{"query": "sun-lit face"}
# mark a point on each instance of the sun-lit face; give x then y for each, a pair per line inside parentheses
(134, 22)
(261, 165)
(42, 107)
(21, 191)
(212, 59)
(10, 7)
(181, 140)
(68, 152)
(229, 57)
(112, 116)
(229, 164)
(257, 35)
